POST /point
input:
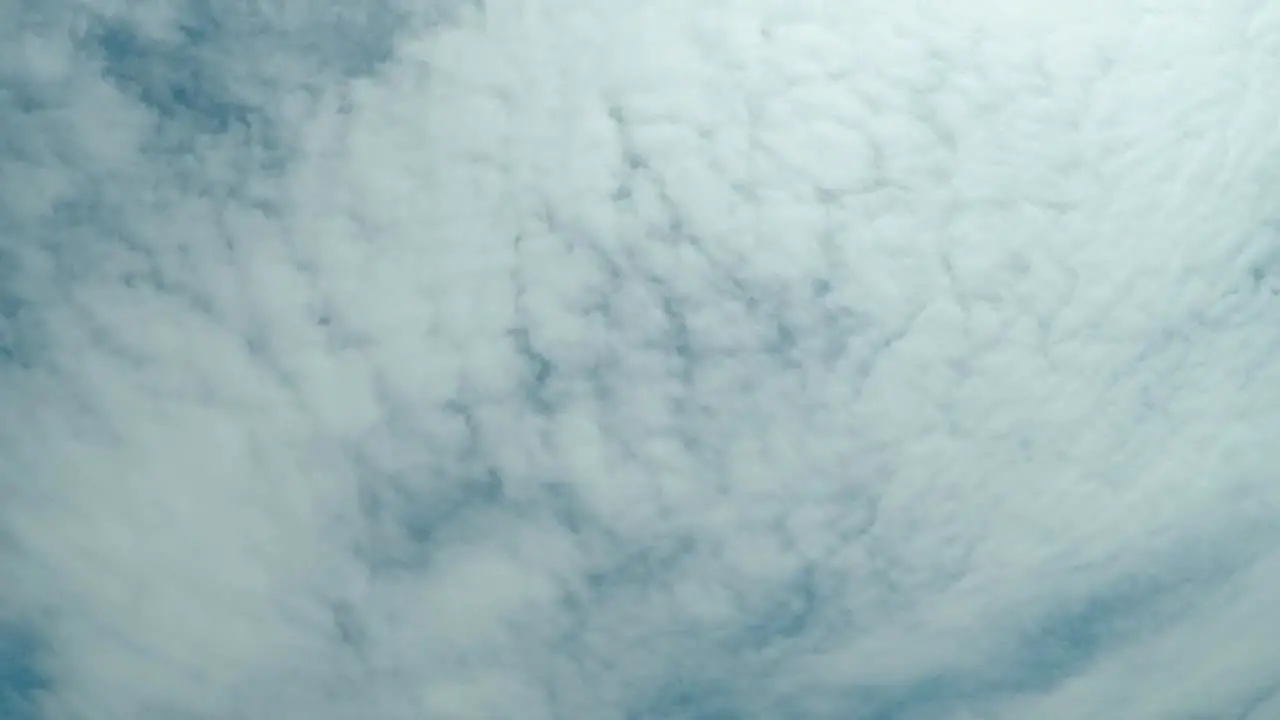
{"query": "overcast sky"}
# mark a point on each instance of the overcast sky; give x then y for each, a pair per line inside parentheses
(657, 360)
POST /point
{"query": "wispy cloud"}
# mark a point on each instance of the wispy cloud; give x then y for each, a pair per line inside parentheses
(550, 359)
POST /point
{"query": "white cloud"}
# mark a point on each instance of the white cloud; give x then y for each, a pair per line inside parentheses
(551, 360)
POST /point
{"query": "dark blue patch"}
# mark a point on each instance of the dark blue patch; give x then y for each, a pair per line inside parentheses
(424, 521)
(686, 698)
(22, 679)
(15, 330)
(641, 568)
(346, 39)
(565, 506)
(938, 696)
(1259, 699)
(1067, 641)
(540, 371)
(177, 81)
(10, 342)
(1060, 645)
(225, 67)
(786, 615)
(407, 516)
(349, 626)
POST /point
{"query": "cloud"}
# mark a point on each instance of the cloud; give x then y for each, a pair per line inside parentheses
(555, 360)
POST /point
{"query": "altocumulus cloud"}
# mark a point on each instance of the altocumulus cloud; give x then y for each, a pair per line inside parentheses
(556, 359)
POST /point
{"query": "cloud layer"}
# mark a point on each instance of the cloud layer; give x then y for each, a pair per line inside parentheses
(552, 359)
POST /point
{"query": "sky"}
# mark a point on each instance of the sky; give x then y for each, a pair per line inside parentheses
(567, 360)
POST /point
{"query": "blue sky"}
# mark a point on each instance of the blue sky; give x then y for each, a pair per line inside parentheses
(547, 359)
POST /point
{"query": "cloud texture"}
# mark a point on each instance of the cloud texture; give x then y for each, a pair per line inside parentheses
(554, 359)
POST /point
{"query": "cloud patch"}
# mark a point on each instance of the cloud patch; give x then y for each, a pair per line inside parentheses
(541, 360)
